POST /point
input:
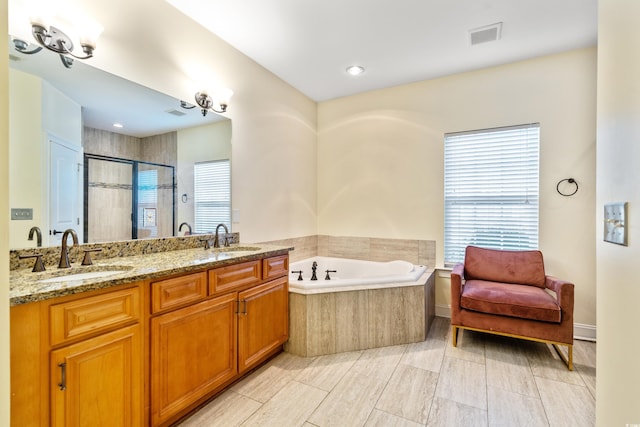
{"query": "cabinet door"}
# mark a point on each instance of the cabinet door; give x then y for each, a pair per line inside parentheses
(99, 381)
(263, 322)
(193, 351)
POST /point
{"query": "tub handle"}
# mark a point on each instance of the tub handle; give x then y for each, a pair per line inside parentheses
(299, 273)
(329, 271)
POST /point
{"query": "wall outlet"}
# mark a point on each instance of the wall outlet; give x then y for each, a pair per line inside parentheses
(235, 216)
(21, 213)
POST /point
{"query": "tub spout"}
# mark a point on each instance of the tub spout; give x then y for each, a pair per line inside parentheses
(314, 266)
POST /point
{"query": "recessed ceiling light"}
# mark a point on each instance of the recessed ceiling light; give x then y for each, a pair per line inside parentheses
(118, 125)
(354, 70)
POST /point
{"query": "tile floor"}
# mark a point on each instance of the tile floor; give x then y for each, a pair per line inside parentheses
(486, 381)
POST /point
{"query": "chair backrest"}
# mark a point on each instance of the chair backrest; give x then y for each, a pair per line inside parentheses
(519, 267)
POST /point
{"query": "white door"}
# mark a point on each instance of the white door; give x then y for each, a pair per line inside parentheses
(64, 209)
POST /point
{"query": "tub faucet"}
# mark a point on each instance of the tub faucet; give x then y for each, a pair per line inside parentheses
(188, 228)
(38, 235)
(314, 266)
(64, 256)
(216, 240)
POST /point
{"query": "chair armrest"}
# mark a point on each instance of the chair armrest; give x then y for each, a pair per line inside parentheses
(457, 274)
(563, 290)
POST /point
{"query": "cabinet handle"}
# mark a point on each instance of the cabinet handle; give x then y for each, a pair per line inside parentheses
(63, 371)
(245, 307)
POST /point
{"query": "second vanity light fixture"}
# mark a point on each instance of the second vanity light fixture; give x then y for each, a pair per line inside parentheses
(54, 39)
(207, 103)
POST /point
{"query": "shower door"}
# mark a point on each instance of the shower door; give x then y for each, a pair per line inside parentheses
(127, 199)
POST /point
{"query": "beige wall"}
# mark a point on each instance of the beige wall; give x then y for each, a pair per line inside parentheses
(380, 157)
(4, 225)
(618, 174)
(198, 144)
(274, 139)
(38, 111)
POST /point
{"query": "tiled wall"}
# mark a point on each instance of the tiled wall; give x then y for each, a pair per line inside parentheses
(421, 252)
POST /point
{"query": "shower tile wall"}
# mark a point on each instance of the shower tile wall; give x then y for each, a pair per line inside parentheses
(110, 198)
(110, 187)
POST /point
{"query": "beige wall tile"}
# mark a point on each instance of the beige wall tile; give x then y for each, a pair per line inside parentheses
(352, 321)
(396, 315)
(297, 343)
(394, 249)
(321, 324)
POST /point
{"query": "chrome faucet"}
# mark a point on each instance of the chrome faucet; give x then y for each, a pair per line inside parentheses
(216, 240)
(64, 256)
(314, 266)
(38, 234)
(188, 228)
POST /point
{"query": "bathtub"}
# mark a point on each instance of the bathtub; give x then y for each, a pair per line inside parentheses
(364, 305)
(349, 274)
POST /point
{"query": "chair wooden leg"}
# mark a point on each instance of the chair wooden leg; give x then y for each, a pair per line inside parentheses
(568, 360)
(454, 335)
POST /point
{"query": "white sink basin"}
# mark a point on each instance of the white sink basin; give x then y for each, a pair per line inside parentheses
(81, 276)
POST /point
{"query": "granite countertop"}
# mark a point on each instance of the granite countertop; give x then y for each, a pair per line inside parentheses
(26, 286)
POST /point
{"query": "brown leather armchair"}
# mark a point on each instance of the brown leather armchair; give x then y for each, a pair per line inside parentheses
(507, 293)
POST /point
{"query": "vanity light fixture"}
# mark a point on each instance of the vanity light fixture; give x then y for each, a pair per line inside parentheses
(207, 103)
(54, 39)
(355, 70)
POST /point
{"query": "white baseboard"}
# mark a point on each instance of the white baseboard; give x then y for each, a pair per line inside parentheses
(581, 331)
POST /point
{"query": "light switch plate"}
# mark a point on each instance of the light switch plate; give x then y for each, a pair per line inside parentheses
(615, 223)
(21, 213)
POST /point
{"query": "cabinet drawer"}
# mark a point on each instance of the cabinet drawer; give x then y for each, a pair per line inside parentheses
(85, 316)
(276, 266)
(235, 276)
(169, 293)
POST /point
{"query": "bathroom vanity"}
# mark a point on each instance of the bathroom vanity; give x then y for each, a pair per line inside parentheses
(147, 342)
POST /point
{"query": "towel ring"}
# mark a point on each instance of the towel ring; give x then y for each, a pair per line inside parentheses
(570, 181)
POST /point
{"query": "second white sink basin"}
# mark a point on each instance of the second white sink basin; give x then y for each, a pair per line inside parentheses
(81, 276)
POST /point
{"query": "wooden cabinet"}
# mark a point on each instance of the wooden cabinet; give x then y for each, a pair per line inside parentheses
(263, 323)
(145, 353)
(193, 351)
(79, 360)
(97, 382)
(199, 349)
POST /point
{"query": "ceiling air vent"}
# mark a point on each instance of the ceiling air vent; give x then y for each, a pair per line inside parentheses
(489, 33)
(176, 112)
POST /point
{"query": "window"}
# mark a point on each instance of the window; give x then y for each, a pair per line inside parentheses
(491, 190)
(212, 195)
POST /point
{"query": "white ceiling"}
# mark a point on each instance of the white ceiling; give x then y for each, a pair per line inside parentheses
(309, 44)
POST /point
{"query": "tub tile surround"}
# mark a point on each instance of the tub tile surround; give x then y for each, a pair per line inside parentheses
(421, 252)
(346, 321)
(336, 322)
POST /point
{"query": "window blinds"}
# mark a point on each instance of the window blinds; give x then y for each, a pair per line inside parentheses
(212, 195)
(491, 189)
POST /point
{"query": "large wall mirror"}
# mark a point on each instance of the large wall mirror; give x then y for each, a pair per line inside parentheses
(70, 167)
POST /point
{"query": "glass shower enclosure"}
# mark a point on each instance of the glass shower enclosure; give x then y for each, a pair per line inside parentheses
(127, 199)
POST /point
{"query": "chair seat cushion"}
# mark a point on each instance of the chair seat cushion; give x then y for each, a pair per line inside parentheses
(506, 299)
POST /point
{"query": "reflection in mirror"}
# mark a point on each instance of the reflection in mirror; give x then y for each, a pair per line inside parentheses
(75, 109)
